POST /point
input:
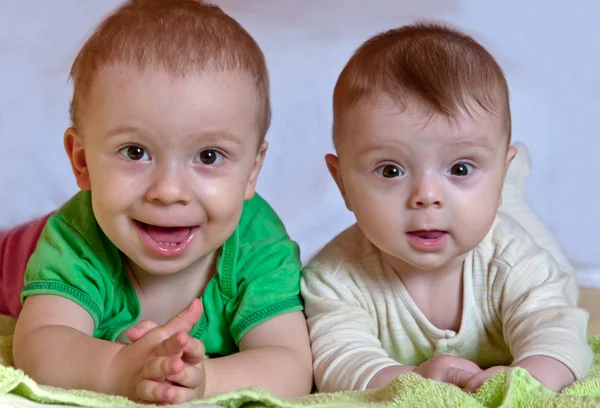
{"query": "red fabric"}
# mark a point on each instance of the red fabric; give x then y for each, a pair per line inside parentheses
(16, 246)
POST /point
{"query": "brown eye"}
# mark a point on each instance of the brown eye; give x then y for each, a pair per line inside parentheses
(210, 157)
(390, 171)
(135, 153)
(461, 169)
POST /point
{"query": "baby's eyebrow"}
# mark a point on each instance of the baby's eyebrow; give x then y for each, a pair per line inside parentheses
(381, 148)
(214, 136)
(480, 142)
(218, 136)
(122, 129)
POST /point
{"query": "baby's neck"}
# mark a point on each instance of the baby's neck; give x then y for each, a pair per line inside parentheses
(437, 293)
(162, 297)
(408, 273)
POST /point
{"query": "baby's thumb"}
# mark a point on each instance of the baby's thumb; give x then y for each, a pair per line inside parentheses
(457, 376)
(186, 319)
(139, 330)
(466, 365)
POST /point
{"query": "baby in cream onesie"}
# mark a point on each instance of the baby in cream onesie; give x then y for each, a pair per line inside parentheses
(432, 279)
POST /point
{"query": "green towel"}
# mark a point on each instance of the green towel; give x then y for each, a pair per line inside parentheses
(513, 388)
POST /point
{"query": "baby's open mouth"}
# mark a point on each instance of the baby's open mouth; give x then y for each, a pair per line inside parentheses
(167, 236)
(168, 241)
(433, 234)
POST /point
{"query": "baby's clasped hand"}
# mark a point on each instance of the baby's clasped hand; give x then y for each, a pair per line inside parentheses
(448, 369)
(163, 364)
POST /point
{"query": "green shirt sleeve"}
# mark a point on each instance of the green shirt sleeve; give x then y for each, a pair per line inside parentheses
(71, 260)
(267, 270)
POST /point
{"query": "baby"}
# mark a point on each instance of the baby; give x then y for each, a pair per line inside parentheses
(432, 279)
(167, 237)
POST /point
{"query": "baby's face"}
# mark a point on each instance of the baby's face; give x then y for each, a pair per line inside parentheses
(169, 161)
(423, 190)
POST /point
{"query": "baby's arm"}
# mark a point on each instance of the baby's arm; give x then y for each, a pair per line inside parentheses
(546, 335)
(442, 367)
(347, 352)
(54, 345)
(387, 375)
(280, 344)
(274, 355)
(550, 372)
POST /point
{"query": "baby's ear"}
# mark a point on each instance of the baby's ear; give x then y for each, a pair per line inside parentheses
(510, 155)
(76, 154)
(333, 164)
(258, 163)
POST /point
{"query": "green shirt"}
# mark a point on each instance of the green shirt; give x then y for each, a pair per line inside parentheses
(257, 277)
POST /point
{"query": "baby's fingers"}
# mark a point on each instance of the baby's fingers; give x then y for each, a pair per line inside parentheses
(154, 391)
(161, 393)
(140, 329)
(186, 319)
(456, 376)
(182, 322)
(194, 351)
(477, 381)
(174, 345)
(191, 376)
(160, 368)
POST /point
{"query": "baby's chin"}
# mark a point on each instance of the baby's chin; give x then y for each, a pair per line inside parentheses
(442, 262)
(161, 267)
(441, 265)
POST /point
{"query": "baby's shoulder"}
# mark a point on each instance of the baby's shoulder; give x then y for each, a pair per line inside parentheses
(508, 241)
(259, 222)
(74, 232)
(78, 214)
(507, 246)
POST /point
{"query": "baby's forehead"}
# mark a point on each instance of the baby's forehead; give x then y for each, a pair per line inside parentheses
(120, 78)
(159, 102)
(386, 121)
(117, 74)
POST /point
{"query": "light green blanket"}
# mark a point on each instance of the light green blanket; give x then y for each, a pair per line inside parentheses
(514, 388)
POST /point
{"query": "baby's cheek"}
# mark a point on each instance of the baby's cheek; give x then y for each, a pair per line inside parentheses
(383, 229)
(474, 223)
(223, 210)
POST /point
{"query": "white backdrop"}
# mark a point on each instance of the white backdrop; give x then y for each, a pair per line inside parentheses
(550, 51)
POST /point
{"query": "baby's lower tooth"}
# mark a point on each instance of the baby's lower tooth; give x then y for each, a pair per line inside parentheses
(173, 244)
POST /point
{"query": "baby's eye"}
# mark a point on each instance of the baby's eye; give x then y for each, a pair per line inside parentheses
(390, 171)
(209, 157)
(135, 153)
(461, 169)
